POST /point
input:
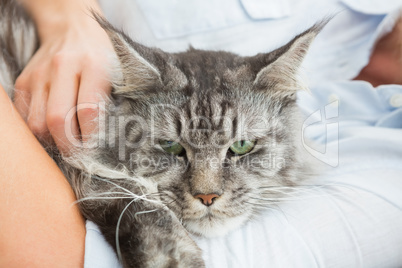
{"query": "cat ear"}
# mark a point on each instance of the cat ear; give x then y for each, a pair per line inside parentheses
(137, 71)
(279, 69)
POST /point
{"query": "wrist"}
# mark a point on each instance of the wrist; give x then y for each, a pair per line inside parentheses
(55, 16)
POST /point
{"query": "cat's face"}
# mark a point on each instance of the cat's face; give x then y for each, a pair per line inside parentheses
(217, 132)
(191, 145)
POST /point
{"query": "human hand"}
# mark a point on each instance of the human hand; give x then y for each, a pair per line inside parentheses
(69, 70)
(385, 65)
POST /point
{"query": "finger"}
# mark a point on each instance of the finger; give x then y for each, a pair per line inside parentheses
(22, 94)
(94, 89)
(61, 114)
(30, 95)
(37, 112)
(22, 99)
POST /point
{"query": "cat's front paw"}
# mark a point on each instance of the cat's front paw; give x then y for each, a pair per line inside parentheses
(157, 239)
(176, 249)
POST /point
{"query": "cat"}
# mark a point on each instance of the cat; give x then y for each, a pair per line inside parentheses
(197, 141)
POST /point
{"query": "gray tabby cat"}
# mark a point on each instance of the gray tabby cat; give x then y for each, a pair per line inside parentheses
(198, 141)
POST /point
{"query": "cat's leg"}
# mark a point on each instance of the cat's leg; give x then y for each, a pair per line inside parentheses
(152, 239)
(143, 231)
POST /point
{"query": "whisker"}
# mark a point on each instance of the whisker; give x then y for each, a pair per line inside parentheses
(117, 230)
(173, 199)
(295, 186)
(142, 197)
(146, 211)
(277, 199)
(294, 189)
(263, 206)
(115, 184)
(106, 193)
(263, 199)
(295, 193)
(101, 198)
(156, 194)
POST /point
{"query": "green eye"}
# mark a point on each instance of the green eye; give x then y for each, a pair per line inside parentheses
(171, 147)
(242, 147)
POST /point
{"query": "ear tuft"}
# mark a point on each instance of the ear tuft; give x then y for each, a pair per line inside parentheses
(282, 65)
(136, 72)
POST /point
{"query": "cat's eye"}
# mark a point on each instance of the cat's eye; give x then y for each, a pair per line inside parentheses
(171, 147)
(242, 147)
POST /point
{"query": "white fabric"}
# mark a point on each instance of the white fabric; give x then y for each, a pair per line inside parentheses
(373, 6)
(98, 253)
(261, 9)
(354, 219)
(174, 18)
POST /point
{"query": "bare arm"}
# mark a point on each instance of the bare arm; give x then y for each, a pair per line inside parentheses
(39, 225)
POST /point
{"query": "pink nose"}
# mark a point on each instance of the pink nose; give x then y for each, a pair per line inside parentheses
(207, 199)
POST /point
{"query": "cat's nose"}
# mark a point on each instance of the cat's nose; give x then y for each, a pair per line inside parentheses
(207, 199)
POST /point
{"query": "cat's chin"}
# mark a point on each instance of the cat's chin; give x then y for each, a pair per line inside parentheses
(214, 227)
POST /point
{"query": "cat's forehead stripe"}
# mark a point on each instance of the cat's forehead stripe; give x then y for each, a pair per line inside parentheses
(210, 110)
